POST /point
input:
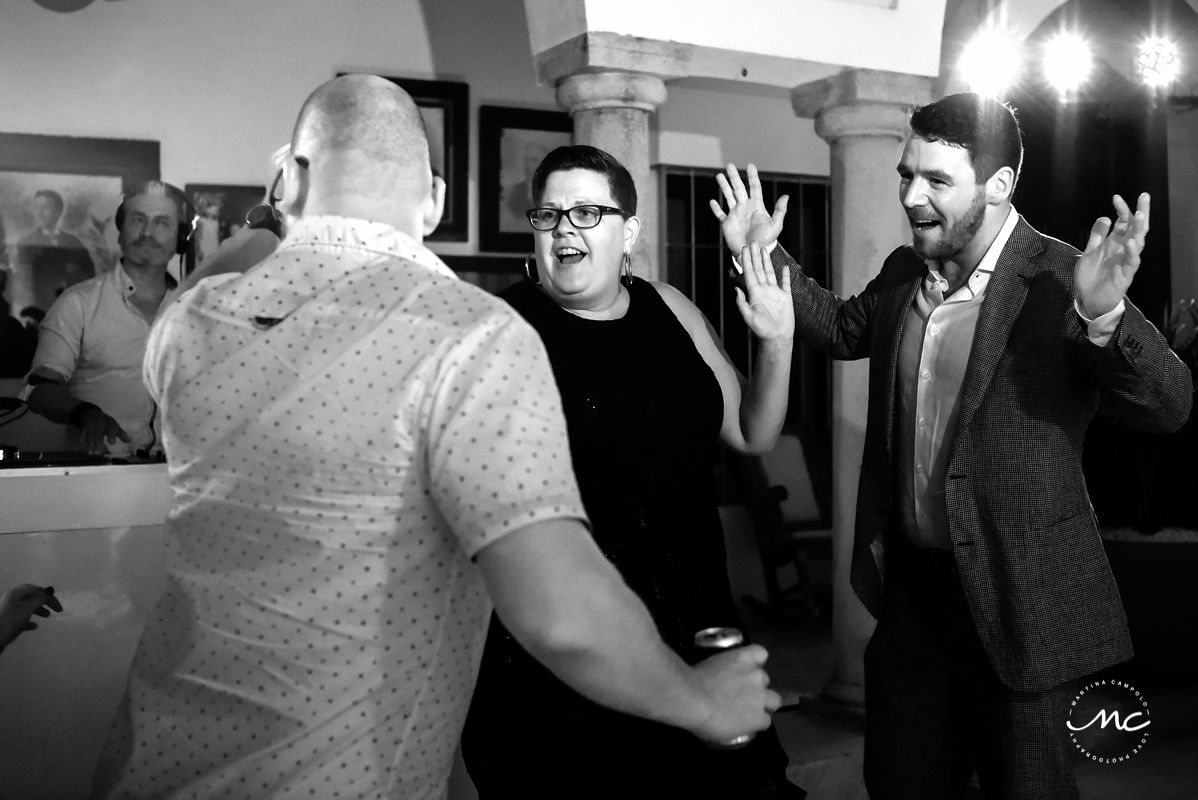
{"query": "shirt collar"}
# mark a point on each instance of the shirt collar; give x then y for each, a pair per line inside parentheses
(125, 284)
(361, 234)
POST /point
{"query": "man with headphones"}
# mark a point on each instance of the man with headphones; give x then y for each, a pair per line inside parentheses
(87, 369)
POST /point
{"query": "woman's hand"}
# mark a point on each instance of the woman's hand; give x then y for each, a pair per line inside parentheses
(768, 309)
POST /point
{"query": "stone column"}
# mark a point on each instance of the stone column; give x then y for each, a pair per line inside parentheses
(611, 111)
(862, 114)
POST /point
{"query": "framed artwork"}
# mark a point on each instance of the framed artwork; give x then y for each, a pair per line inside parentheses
(445, 106)
(512, 142)
(220, 212)
(58, 197)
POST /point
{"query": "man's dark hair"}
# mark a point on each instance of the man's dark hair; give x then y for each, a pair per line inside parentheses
(176, 195)
(53, 196)
(582, 156)
(986, 128)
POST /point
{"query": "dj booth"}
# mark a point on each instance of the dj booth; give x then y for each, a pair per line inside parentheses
(92, 529)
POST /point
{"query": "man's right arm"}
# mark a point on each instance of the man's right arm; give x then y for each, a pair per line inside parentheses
(55, 360)
(822, 319)
(568, 606)
(246, 248)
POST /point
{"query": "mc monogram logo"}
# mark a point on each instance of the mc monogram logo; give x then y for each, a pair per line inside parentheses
(1108, 721)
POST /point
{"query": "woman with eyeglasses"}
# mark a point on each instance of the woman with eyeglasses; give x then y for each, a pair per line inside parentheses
(649, 395)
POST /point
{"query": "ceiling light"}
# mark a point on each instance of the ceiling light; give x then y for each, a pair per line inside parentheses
(1158, 62)
(990, 62)
(1067, 62)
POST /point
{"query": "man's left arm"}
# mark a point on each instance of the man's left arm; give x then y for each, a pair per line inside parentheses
(1146, 382)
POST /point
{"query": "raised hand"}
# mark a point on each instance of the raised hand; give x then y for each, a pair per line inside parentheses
(768, 308)
(1106, 269)
(747, 221)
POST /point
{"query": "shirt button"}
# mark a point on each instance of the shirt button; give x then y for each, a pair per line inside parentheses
(923, 422)
(926, 375)
(935, 329)
(919, 468)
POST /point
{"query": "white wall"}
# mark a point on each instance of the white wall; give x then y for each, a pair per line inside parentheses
(705, 127)
(218, 82)
(892, 35)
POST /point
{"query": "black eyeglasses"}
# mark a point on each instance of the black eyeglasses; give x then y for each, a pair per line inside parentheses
(588, 216)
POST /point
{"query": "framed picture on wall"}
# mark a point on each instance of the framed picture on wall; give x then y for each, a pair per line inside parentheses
(220, 212)
(58, 197)
(512, 142)
(445, 107)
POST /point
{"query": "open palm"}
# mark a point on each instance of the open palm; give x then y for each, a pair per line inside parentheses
(1112, 255)
(747, 222)
(766, 303)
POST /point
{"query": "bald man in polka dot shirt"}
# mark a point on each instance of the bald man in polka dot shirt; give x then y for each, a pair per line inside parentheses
(365, 453)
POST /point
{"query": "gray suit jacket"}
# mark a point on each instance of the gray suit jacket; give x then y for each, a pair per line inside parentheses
(1024, 533)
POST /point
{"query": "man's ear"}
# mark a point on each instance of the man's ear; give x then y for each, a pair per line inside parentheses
(1001, 186)
(295, 189)
(434, 205)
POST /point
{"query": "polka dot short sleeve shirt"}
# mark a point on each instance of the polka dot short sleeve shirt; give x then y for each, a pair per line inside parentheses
(347, 425)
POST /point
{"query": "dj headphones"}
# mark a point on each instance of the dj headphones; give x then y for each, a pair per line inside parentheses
(266, 216)
(187, 218)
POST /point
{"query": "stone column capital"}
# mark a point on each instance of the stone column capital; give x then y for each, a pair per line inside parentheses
(584, 91)
(861, 102)
(865, 119)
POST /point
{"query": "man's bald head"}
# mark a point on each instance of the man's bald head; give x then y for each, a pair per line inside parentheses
(362, 114)
(361, 142)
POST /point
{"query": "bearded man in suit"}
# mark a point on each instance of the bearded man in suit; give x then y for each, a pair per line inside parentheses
(976, 546)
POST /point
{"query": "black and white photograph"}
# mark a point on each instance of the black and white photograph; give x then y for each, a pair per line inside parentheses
(58, 199)
(512, 142)
(599, 399)
(219, 213)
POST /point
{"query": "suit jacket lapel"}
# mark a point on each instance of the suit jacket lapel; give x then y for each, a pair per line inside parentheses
(1005, 294)
(897, 321)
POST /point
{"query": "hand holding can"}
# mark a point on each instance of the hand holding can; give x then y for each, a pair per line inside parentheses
(739, 683)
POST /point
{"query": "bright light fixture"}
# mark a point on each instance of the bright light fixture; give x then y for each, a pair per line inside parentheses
(1158, 62)
(1067, 62)
(990, 62)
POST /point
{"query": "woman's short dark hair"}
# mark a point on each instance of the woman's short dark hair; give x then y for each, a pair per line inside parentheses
(985, 127)
(583, 156)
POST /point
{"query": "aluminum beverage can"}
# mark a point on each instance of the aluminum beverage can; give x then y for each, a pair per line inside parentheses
(712, 640)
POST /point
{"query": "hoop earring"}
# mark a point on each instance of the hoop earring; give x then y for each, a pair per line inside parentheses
(626, 270)
(530, 269)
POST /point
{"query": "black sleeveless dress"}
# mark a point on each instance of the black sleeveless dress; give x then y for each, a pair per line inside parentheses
(644, 413)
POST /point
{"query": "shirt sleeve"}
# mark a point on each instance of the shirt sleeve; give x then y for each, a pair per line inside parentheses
(498, 456)
(1102, 328)
(59, 339)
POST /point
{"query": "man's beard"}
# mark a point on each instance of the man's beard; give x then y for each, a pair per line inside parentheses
(957, 237)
